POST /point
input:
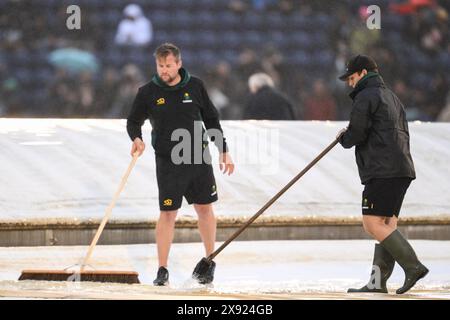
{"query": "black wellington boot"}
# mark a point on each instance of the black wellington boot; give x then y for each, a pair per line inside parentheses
(383, 261)
(404, 254)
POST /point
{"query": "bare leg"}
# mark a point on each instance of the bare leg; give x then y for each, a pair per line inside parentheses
(392, 222)
(164, 235)
(206, 226)
(379, 227)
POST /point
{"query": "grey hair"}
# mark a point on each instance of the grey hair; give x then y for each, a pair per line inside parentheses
(258, 80)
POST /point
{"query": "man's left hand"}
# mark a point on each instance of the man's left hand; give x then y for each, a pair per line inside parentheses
(226, 163)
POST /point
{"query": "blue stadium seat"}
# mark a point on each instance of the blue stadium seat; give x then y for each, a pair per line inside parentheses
(279, 38)
(206, 39)
(253, 38)
(296, 21)
(320, 40)
(185, 39)
(421, 80)
(159, 18)
(392, 22)
(274, 20)
(444, 60)
(230, 56)
(19, 58)
(322, 59)
(205, 4)
(230, 39)
(205, 57)
(188, 56)
(186, 4)
(111, 18)
(322, 21)
(112, 57)
(43, 75)
(252, 20)
(160, 4)
(227, 21)
(160, 36)
(182, 20)
(299, 58)
(203, 19)
(24, 75)
(300, 39)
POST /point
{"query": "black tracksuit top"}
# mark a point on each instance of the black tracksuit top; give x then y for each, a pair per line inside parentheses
(170, 108)
(379, 131)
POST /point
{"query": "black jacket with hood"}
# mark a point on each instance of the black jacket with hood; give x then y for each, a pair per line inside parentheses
(379, 131)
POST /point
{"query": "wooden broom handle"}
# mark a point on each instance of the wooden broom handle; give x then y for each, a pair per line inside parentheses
(274, 198)
(108, 211)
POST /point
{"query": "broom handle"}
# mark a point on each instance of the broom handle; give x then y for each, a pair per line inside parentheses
(274, 198)
(108, 212)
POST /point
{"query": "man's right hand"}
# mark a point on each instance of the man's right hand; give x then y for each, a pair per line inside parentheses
(138, 146)
(341, 132)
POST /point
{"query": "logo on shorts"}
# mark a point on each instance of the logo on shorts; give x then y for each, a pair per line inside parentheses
(366, 204)
(213, 189)
(160, 101)
(187, 98)
(167, 202)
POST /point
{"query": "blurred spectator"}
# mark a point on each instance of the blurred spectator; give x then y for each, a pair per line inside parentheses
(3, 104)
(320, 105)
(248, 63)
(265, 102)
(440, 88)
(403, 92)
(272, 63)
(63, 95)
(135, 29)
(106, 91)
(387, 63)
(432, 40)
(238, 6)
(444, 115)
(86, 93)
(223, 87)
(129, 83)
(362, 39)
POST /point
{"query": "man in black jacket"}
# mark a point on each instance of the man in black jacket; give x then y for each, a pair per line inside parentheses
(379, 131)
(266, 103)
(178, 105)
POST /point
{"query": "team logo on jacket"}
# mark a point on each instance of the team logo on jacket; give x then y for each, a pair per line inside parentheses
(160, 101)
(187, 98)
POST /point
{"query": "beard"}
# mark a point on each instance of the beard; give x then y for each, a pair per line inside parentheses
(167, 78)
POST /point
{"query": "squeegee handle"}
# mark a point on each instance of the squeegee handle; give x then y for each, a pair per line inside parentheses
(108, 211)
(274, 198)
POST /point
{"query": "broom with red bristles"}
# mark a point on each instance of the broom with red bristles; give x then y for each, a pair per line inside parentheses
(90, 275)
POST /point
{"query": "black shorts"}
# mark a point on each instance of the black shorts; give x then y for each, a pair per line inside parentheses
(193, 181)
(384, 197)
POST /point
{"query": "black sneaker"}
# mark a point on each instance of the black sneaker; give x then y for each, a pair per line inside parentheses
(206, 276)
(162, 278)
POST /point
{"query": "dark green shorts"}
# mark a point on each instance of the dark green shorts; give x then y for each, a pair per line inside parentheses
(384, 197)
(195, 182)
